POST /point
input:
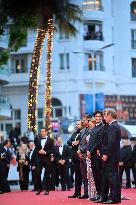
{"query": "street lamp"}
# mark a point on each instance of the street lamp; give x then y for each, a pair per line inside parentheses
(93, 52)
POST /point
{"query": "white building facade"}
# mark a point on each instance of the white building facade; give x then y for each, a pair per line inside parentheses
(101, 58)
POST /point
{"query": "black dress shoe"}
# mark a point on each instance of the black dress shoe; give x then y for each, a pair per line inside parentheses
(94, 199)
(100, 201)
(111, 202)
(38, 193)
(124, 198)
(83, 197)
(46, 193)
(73, 196)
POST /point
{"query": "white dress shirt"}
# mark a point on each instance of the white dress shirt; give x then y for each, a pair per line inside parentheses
(43, 141)
(61, 149)
(31, 153)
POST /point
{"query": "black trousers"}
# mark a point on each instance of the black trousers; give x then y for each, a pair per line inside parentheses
(34, 179)
(78, 176)
(134, 173)
(97, 173)
(46, 180)
(53, 175)
(4, 185)
(127, 171)
(24, 177)
(110, 181)
(62, 170)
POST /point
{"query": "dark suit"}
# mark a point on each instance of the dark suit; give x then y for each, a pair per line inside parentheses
(95, 143)
(110, 171)
(4, 169)
(43, 160)
(125, 157)
(33, 157)
(62, 169)
(78, 178)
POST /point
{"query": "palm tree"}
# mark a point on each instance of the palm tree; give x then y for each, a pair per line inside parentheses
(38, 14)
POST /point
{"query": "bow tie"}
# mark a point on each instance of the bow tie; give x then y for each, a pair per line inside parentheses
(44, 138)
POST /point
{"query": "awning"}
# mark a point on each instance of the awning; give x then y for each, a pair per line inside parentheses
(131, 130)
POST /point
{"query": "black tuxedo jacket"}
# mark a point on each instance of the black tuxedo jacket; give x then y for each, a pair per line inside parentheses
(95, 138)
(48, 148)
(76, 135)
(6, 154)
(133, 158)
(113, 146)
(34, 158)
(65, 153)
(126, 155)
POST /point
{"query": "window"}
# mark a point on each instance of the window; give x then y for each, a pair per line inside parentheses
(64, 61)
(92, 5)
(63, 36)
(19, 63)
(133, 67)
(56, 108)
(93, 30)
(98, 62)
(17, 114)
(40, 125)
(133, 38)
(133, 11)
(8, 127)
(40, 112)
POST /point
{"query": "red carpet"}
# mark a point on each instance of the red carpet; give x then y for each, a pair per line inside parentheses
(55, 198)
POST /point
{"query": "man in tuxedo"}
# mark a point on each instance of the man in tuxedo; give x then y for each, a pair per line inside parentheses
(44, 147)
(5, 157)
(73, 142)
(94, 146)
(111, 159)
(33, 162)
(62, 155)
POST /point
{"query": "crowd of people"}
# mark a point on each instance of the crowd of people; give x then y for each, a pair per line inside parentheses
(92, 157)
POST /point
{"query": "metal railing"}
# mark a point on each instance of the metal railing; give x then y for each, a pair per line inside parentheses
(97, 67)
(94, 36)
(93, 6)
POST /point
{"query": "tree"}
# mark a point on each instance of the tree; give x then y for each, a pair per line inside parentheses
(40, 14)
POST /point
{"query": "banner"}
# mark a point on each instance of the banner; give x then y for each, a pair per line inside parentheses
(86, 103)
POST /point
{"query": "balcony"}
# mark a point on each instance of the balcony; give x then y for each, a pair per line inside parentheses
(92, 6)
(4, 75)
(92, 44)
(94, 36)
(93, 11)
(5, 108)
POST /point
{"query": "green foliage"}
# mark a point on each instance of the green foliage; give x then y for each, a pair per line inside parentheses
(17, 38)
(4, 55)
(20, 16)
